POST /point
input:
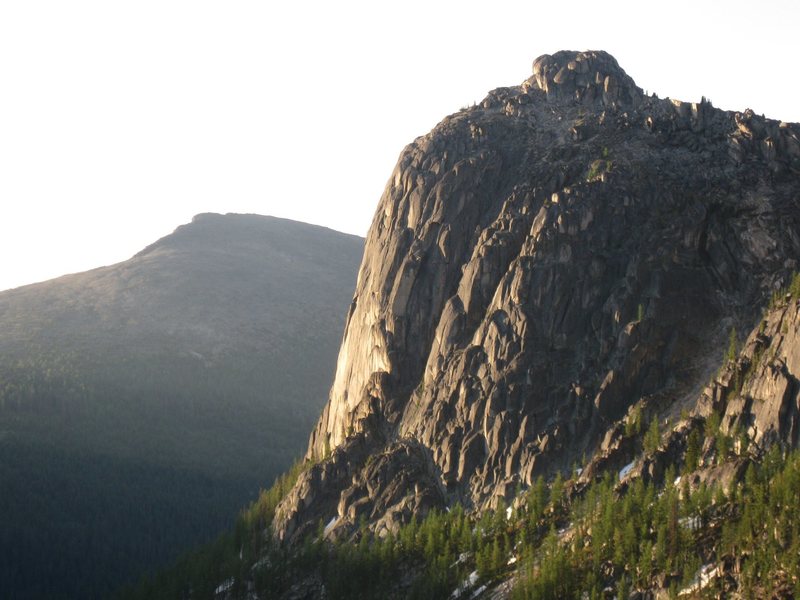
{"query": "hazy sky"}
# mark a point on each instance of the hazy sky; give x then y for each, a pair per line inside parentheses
(121, 120)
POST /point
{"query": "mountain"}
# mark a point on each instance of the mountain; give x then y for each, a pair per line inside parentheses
(569, 369)
(537, 264)
(143, 403)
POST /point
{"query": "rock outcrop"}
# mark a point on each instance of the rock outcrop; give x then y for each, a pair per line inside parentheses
(537, 264)
(758, 395)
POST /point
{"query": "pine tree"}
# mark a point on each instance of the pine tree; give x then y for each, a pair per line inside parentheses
(652, 439)
(693, 447)
(622, 587)
(732, 351)
(645, 567)
(497, 559)
(557, 493)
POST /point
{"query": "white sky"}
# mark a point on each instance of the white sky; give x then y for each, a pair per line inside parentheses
(120, 120)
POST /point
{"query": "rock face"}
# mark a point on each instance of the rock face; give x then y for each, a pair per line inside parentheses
(759, 394)
(537, 264)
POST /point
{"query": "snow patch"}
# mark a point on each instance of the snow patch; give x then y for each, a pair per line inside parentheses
(330, 525)
(705, 575)
(509, 512)
(478, 592)
(623, 472)
(471, 580)
(224, 587)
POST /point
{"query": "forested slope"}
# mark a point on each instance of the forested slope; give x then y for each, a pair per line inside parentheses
(142, 404)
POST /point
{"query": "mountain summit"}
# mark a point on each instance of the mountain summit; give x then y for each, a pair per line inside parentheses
(538, 265)
(593, 78)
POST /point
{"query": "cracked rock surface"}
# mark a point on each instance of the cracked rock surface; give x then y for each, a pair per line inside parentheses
(536, 265)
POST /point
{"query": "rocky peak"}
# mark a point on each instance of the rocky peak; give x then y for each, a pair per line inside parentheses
(538, 264)
(590, 77)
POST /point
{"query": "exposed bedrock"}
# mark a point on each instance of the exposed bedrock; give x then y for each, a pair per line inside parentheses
(536, 264)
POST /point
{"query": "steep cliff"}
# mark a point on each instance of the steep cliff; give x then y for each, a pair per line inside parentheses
(758, 394)
(538, 264)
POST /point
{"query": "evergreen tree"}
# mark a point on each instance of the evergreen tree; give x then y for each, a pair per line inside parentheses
(652, 439)
(693, 447)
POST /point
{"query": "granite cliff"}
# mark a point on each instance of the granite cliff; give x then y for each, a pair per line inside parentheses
(538, 264)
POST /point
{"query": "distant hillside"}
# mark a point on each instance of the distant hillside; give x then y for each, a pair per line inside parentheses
(141, 404)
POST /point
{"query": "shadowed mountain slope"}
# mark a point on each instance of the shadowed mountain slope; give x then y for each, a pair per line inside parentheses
(143, 403)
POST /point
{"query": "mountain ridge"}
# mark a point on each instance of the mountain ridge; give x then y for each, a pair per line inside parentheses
(193, 369)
